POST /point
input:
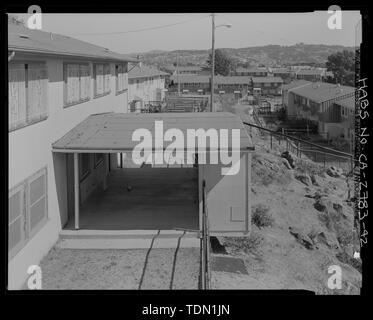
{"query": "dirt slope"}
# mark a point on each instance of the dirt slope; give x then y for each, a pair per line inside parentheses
(302, 224)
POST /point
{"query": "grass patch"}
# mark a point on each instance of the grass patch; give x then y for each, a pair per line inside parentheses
(249, 244)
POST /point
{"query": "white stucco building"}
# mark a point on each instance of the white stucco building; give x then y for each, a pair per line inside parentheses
(55, 82)
(145, 85)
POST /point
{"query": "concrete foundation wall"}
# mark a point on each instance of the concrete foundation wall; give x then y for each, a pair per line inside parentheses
(30, 150)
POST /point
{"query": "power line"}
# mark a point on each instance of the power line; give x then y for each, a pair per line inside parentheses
(137, 30)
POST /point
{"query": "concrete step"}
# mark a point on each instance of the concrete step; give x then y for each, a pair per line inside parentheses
(127, 234)
(130, 243)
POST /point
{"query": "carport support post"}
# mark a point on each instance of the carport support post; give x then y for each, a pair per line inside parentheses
(76, 189)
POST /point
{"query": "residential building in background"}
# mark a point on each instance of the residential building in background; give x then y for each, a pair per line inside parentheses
(289, 106)
(250, 72)
(284, 73)
(145, 85)
(268, 85)
(330, 105)
(201, 84)
(310, 74)
(55, 82)
(183, 70)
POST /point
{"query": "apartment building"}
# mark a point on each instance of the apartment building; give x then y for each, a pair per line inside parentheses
(290, 107)
(183, 70)
(310, 74)
(145, 85)
(250, 72)
(284, 73)
(267, 85)
(201, 84)
(331, 106)
(55, 82)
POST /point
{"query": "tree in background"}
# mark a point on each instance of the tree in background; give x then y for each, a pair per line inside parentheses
(342, 64)
(223, 63)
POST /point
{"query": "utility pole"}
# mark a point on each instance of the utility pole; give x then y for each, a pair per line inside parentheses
(212, 62)
(177, 74)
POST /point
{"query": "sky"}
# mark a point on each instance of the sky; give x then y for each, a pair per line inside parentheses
(131, 33)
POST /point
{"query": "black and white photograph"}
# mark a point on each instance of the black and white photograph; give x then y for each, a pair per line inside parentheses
(185, 150)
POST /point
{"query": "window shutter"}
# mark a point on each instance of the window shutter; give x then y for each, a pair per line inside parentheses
(99, 79)
(72, 83)
(16, 231)
(37, 200)
(37, 92)
(107, 76)
(17, 95)
(85, 82)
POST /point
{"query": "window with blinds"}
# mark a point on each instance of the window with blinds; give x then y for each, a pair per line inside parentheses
(77, 83)
(16, 228)
(27, 210)
(102, 76)
(28, 98)
(121, 77)
(37, 201)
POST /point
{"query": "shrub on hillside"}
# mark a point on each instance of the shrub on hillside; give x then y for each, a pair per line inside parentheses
(261, 216)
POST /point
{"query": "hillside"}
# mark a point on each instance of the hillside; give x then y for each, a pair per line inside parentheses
(302, 222)
(269, 55)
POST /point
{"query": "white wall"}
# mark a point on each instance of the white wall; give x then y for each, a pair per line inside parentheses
(228, 198)
(30, 150)
(147, 90)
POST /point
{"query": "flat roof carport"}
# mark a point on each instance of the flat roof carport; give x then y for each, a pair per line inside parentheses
(112, 133)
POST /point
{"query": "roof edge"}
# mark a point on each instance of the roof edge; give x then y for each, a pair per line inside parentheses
(69, 54)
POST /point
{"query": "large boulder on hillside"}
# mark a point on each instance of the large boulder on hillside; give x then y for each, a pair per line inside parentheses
(304, 178)
(328, 239)
(334, 215)
(286, 163)
(329, 203)
(334, 172)
(286, 155)
(302, 237)
(316, 180)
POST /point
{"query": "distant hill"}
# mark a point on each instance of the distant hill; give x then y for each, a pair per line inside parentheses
(269, 55)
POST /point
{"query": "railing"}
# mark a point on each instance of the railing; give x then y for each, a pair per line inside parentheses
(298, 147)
(256, 118)
(205, 243)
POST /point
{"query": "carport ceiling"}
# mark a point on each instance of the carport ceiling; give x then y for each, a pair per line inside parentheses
(112, 132)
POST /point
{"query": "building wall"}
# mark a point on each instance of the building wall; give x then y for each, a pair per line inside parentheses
(328, 114)
(273, 88)
(310, 77)
(228, 198)
(146, 89)
(30, 150)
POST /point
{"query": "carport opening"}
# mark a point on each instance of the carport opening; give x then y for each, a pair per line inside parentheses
(133, 198)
